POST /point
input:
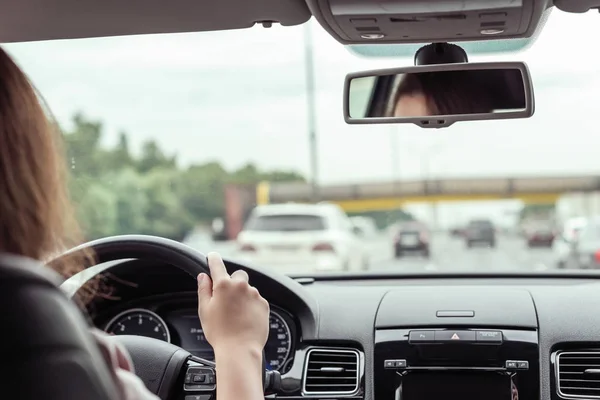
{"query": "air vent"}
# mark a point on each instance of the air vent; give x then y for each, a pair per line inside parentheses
(578, 374)
(331, 372)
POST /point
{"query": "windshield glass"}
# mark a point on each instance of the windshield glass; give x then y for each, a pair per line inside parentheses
(182, 135)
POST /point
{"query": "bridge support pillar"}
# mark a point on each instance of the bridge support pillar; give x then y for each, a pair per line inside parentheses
(435, 223)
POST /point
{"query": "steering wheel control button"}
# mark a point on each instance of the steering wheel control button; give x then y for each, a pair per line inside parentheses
(489, 337)
(198, 397)
(400, 363)
(200, 379)
(455, 336)
(522, 365)
(511, 364)
(421, 336)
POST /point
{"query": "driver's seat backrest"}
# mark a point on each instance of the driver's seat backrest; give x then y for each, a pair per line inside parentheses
(46, 351)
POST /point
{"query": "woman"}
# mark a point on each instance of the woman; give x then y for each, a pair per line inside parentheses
(37, 221)
(439, 93)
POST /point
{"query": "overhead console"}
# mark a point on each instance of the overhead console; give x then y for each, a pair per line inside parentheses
(416, 21)
(466, 343)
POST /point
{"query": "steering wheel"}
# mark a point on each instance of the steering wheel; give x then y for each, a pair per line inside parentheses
(167, 370)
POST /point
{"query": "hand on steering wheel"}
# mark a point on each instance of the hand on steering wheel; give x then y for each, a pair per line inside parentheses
(235, 321)
(233, 314)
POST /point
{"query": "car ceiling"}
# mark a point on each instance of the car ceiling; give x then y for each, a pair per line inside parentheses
(34, 20)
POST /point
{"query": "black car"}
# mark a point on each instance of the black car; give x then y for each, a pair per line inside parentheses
(412, 237)
(480, 232)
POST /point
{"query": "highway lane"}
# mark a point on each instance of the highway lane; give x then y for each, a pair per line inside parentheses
(451, 254)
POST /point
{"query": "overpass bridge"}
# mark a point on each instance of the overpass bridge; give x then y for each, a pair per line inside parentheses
(393, 195)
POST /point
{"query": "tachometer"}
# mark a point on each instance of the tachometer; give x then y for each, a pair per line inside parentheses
(141, 322)
(279, 343)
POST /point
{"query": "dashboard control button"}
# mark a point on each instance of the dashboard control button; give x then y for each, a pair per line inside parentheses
(389, 364)
(522, 364)
(400, 363)
(454, 336)
(421, 336)
(511, 364)
(489, 336)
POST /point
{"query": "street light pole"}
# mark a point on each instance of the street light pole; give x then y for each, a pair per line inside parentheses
(311, 112)
(426, 171)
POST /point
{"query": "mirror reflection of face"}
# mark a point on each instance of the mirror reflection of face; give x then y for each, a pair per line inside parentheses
(411, 105)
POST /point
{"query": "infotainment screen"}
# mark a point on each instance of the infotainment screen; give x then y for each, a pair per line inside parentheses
(445, 385)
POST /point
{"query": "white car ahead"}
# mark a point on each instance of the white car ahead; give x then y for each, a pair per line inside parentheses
(298, 238)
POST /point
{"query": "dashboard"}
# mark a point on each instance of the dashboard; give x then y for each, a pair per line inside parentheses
(388, 338)
(175, 320)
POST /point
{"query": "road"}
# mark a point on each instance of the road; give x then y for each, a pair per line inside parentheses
(451, 254)
(447, 254)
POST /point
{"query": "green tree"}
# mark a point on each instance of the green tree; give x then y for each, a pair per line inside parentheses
(132, 201)
(201, 191)
(165, 214)
(153, 157)
(97, 212)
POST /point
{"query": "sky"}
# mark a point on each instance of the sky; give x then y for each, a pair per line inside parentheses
(239, 96)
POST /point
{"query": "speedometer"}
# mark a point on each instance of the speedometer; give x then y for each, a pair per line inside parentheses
(140, 322)
(279, 343)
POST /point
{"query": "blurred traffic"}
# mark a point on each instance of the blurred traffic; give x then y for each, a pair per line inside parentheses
(305, 238)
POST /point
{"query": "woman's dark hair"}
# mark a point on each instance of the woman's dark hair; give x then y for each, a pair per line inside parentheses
(447, 92)
(37, 219)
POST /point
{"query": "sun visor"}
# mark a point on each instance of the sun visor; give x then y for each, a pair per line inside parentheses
(417, 21)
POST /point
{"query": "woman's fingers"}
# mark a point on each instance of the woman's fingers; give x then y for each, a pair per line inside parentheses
(218, 271)
(240, 275)
(204, 291)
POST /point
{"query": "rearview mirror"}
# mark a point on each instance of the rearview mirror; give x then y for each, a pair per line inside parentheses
(435, 96)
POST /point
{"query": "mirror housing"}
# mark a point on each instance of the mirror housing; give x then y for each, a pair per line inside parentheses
(373, 97)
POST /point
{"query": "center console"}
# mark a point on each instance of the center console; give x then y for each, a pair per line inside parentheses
(465, 364)
(464, 345)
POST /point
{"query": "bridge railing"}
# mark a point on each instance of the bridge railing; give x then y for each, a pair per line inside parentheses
(301, 192)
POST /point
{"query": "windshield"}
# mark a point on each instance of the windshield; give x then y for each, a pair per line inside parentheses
(182, 135)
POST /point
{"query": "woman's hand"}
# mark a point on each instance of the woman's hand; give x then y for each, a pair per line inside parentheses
(233, 314)
(235, 321)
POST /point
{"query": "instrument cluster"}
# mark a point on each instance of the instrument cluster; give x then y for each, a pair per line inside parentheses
(183, 328)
